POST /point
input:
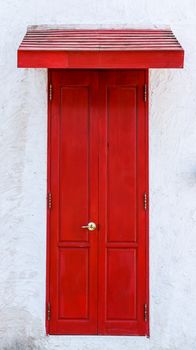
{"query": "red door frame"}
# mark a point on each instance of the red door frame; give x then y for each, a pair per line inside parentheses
(147, 333)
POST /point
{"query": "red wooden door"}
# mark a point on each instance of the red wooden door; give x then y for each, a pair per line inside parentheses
(97, 280)
(74, 189)
(122, 216)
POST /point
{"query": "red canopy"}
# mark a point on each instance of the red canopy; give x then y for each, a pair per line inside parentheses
(44, 47)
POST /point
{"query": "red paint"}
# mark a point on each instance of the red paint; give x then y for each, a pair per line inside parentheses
(97, 281)
(122, 215)
(49, 48)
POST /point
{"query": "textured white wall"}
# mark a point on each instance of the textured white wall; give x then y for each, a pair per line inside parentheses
(23, 129)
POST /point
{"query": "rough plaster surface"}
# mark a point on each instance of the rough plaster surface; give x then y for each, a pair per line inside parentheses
(23, 129)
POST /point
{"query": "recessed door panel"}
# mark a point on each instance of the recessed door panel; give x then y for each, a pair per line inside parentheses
(73, 286)
(121, 284)
(121, 162)
(74, 163)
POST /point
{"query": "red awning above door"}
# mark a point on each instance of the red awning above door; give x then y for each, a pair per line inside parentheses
(45, 47)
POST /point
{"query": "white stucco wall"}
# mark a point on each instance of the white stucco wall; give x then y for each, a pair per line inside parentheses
(23, 129)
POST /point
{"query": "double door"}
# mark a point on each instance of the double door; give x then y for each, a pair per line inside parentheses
(97, 217)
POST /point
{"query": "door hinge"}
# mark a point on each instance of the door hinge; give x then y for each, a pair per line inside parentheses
(145, 201)
(49, 200)
(145, 312)
(48, 311)
(50, 91)
(145, 92)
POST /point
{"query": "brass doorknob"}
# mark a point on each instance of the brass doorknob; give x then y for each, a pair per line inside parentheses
(91, 226)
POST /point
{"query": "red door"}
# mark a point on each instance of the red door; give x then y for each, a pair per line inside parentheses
(97, 279)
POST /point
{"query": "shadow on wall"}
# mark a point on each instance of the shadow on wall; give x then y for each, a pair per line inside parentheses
(25, 333)
(23, 344)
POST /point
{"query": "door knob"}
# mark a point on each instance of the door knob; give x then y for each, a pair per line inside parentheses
(91, 226)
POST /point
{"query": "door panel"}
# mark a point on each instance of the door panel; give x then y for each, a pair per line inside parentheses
(73, 286)
(74, 164)
(98, 280)
(121, 160)
(74, 186)
(121, 284)
(122, 218)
